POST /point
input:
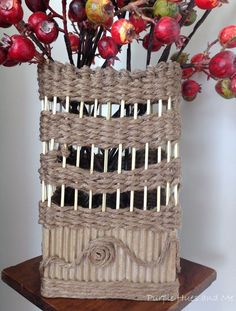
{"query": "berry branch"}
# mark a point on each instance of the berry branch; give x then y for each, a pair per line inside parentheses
(150, 44)
(101, 28)
(22, 28)
(166, 53)
(196, 27)
(66, 35)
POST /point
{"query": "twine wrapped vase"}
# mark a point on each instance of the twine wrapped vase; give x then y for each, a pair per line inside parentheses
(110, 174)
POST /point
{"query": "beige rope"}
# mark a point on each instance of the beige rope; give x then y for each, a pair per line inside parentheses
(116, 290)
(109, 85)
(70, 129)
(168, 219)
(156, 175)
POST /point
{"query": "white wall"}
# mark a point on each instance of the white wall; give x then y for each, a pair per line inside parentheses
(209, 176)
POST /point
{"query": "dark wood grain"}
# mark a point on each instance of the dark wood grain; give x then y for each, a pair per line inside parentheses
(24, 278)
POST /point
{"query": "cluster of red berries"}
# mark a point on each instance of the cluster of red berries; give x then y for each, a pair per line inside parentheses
(221, 67)
(101, 26)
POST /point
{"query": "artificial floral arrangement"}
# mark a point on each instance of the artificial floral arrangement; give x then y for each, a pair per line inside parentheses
(110, 166)
(102, 28)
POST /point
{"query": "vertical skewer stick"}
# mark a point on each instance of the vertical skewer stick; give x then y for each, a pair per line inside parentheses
(105, 169)
(176, 193)
(133, 160)
(49, 187)
(64, 158)
(51, 147)
(44, 192)
(92, 158)
(160, 106)
(168, 157)
(120, 151)
(81, 113)
(146, 161)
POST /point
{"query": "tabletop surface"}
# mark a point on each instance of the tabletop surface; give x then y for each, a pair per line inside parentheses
(24, 278)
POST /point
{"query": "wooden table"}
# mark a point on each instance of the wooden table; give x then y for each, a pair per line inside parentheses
(24, 278)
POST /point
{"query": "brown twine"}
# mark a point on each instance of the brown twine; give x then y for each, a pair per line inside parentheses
(70, 129)
(116, 290)
(156, 175)
(109, 85)
(168, 219)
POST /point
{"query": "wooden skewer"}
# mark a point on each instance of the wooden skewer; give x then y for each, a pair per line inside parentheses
(146, 161)
(49, 187)
(44, 192)
(51, 148)
(120, 151)
(176, 192)
(168, 158)
(133, 160)
(92, 158)
(105, 169)
(81, 113)
(64, 158)
(160, 106)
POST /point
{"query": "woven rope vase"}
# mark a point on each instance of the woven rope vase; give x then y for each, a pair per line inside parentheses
(110, 174)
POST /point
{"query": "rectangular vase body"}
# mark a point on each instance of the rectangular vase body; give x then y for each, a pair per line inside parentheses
(110, 174)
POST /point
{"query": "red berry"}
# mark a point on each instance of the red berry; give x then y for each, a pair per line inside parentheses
(122, 3)
(223, 65)
(223, 88)
(21, 50)
(77, 11)
(35, 5)
(10, 63)
(37, 18)
(123, 31)
(3, 55)
(4, 25)
(46, 31)
(207, 4)
(187, 73)
(74, 42)
(190, 89)
(107, 48)
(233, 85)
(139, 23)
(227, 36)
(11, 11)
(167, 30)
(156, 45)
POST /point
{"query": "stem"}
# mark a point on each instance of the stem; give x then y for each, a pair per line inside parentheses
(89, 46)
(81, 36)
(131, 6)
(21, 26)
(66, 36)
(54, 13)
(166, 53)
(95, 44)
(198, 24)
(150, 43)
(105, 64)
(128, 59)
